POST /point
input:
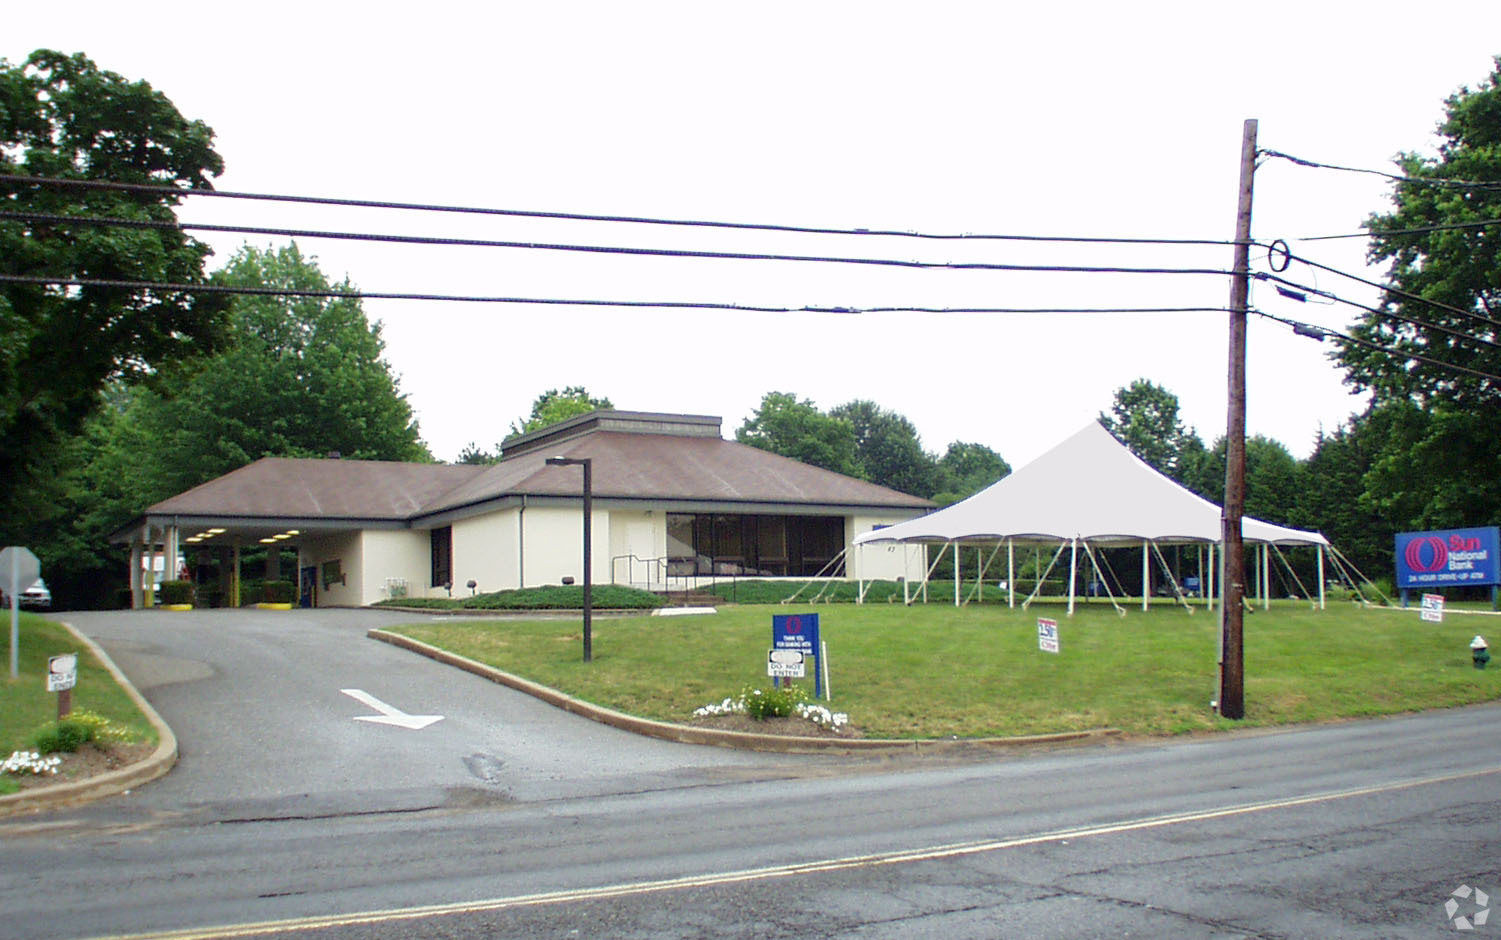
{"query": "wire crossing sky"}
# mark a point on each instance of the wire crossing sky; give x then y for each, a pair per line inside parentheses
(966, 134)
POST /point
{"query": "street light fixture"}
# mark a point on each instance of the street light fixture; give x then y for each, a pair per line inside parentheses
(588, 465)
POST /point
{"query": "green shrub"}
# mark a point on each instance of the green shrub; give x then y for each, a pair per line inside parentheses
(772, 702)
(278, 592)
(66, 735)
(101, 729)
(552, 597)
(177, 592)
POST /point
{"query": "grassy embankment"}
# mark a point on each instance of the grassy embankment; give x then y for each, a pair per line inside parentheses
(934, 671)
(26, 705)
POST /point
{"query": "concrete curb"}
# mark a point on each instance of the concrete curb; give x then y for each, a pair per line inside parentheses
(688, 734)
(115, 781)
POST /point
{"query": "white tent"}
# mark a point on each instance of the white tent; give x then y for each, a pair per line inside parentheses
(1087, 491)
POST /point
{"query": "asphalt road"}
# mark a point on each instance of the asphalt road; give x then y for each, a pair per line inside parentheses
(576, 830)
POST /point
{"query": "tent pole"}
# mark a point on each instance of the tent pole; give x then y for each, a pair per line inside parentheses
(1043, 573)
(1203, 588)
(1266, 576)
(979, 592)
(1011, 573)
(859, 596)
(1321, 575)
(1073, 567)
(906, 575)
(956, 573)
(1146, 576)
(1213, 581)
(1104, 582)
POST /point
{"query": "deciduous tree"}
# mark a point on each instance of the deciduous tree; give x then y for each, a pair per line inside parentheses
(556, 405)
(890, 452)
(1144, 417)
(63, 117)
(1443, 458)
(965, 469)
(798, 429)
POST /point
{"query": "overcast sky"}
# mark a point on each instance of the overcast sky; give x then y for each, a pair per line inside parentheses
(1099, 119)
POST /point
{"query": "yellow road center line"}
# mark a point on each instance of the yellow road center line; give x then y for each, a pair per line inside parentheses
(909, 856)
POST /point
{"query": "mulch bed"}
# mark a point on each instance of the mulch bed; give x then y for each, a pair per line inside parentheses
(799, 727)
(88, 761)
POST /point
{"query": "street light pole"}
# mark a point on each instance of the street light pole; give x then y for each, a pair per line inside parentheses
(588, 464)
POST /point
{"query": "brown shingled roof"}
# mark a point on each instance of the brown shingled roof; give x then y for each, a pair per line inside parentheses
(337, 489)
(627, 464)
(672, 467)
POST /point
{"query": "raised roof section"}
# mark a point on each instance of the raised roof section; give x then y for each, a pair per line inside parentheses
(629, 422)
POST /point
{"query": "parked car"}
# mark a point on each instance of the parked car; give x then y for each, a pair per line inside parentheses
(37, 597)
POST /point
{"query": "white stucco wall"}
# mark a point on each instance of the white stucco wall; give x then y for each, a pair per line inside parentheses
(402, 553)
(882, 562)
(555, 545)
(486, 551)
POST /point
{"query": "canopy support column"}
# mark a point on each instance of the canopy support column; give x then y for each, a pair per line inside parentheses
(150, 591)
(136, 594)
(171, 571)
(234, 575)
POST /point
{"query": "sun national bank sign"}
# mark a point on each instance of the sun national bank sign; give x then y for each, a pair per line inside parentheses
(1448, 558)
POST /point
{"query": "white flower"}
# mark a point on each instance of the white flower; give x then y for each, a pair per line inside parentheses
(30, 762)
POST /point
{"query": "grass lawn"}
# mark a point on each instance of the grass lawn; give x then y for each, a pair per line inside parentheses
(935, 671)
(26, 705)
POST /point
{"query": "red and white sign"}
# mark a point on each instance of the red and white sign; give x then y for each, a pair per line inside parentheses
(1047, 635)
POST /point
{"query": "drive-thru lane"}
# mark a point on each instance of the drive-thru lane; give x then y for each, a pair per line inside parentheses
(266, 727)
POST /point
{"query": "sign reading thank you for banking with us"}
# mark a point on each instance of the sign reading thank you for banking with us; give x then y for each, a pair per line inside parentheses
(1449, 557)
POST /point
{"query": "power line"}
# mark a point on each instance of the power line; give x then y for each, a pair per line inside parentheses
(586, 217)
(593, 249)
(1453, 226)
(356, 294)
(1428, 181)
(1395, 291)
(1425, 324)
(1319, 332)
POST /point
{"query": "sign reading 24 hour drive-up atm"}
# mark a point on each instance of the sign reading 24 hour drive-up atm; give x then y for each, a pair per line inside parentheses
(1452, 557)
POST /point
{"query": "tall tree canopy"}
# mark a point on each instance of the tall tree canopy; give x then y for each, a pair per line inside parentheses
(559, 404)
(298, 377)
(1445, 271)
(1144, 417)
(62, 117)
(964, 470)
(302, 377)
(888, 448)
(798, 429)
(1445, 268)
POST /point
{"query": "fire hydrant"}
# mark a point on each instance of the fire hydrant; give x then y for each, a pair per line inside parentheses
(1479, 652)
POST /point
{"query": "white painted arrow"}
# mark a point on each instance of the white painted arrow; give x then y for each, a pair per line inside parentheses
(389, 715)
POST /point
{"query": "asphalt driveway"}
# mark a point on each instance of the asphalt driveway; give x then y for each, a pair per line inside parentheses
(265, 730)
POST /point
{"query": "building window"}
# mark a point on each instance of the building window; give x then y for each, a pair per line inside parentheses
(758, 546)
(442, 551)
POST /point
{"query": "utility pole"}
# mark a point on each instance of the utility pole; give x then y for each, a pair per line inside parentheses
(1232, 608)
